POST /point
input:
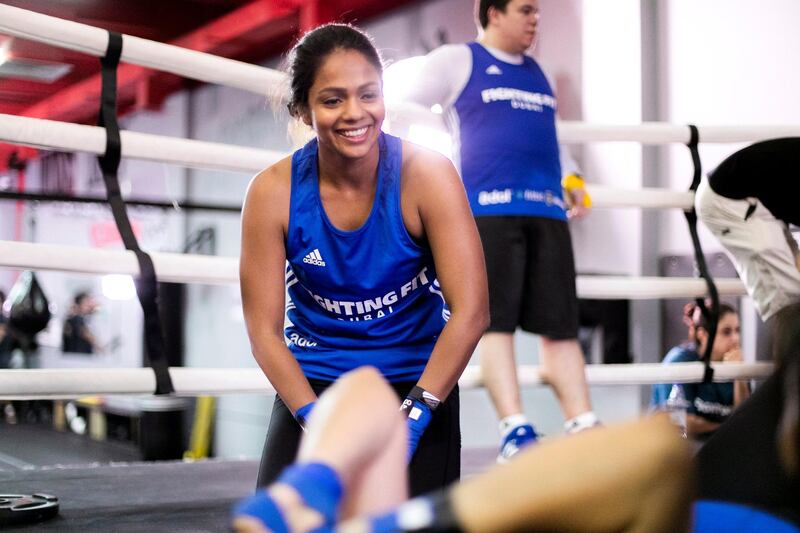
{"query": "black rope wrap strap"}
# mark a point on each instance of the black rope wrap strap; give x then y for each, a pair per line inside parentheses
(146, 282)
(711, 315)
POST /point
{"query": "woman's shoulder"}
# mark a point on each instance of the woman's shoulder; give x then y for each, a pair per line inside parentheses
(684, 353)
(272, 179)
(272, 186)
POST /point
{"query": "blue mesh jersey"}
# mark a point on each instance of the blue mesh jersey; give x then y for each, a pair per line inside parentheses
(505, 122)
(363, 297)
(712, 401)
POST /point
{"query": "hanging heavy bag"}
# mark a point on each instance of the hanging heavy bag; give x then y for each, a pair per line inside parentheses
(29, 310)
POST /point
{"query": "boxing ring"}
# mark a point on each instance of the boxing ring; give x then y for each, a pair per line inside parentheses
(163, 496)
(198, 496)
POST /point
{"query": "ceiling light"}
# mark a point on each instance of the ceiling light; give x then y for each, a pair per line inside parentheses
(5, 50)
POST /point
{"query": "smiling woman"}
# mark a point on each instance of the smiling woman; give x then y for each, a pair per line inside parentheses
(368, 236)
(346, 110)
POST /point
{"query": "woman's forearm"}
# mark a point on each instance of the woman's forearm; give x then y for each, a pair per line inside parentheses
(453, 351)
(283, 372)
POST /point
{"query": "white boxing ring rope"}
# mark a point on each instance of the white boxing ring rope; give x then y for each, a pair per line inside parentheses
(185, 268)
(63, 136)
(171, 267)
(55, 135)
(53, 383)
(73, 383)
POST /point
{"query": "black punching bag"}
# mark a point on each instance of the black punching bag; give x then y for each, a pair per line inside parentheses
(28, 310)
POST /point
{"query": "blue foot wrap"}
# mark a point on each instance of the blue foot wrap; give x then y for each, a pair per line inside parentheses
(318, 485)
(262, 507)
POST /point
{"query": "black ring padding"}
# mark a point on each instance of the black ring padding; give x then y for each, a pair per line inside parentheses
(711, 315)
(146, 281)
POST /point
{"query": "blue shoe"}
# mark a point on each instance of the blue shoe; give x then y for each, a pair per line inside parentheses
(515, 440)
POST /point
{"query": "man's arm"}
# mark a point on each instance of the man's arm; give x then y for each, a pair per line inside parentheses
(575, 194)
(443, 75)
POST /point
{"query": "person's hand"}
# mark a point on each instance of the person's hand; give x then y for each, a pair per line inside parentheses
(418, 415)
(302, 414)
(577, 197)
(733, 356)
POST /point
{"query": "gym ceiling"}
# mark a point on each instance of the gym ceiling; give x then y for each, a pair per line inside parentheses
(42, 81)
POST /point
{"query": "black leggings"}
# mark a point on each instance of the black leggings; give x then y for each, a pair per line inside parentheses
(436, 464)
(739, 463)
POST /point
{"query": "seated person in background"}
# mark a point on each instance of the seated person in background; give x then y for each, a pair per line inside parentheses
(76, 337)
(632, 477)
(710, 404)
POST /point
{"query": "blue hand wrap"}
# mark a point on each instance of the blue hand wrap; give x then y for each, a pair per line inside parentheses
(262, 507)
(386, 523)
(302, 414)
(419, 416)
(318, 485)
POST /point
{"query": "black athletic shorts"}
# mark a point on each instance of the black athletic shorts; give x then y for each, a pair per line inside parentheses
(531, 274)
(436, 463)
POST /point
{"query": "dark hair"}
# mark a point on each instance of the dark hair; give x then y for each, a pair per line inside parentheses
(482, 8)
(695, 319)
(80, 297)
(311, 50)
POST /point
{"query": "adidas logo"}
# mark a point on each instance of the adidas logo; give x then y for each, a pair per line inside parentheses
(314, 258)
(493, 69)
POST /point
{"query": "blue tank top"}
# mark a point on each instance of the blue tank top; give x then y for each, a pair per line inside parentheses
(509, 157)
(362, 297)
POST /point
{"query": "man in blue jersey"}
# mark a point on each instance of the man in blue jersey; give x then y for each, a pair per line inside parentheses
(501, 110)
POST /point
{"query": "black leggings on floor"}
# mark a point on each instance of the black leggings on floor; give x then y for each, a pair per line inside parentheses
(740, 462)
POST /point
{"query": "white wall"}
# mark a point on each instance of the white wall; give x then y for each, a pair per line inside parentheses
(725, 62)
(608, 241)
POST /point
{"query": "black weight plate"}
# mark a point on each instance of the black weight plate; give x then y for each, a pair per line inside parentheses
(26, 508)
